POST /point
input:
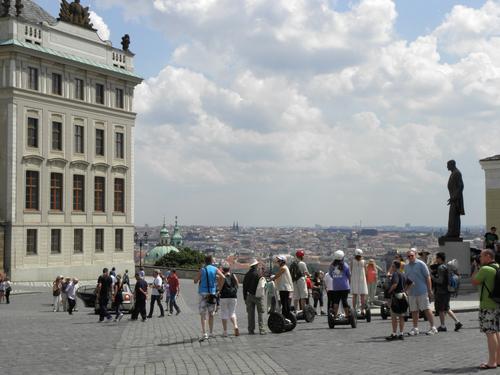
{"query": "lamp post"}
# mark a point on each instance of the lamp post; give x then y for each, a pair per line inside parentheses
(138, 239)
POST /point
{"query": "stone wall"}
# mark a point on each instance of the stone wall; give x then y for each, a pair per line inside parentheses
(2, 248)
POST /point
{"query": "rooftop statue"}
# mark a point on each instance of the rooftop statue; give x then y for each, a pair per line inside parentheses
(456, 203)
(19, 7)
(125, 42)
(6, 7)
(75, 13)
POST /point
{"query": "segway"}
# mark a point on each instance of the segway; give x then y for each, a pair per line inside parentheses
(343, 320)
(308, 314)
(278, 323)
(367, 315)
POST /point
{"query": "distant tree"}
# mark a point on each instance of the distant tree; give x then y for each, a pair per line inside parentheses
(185, 258)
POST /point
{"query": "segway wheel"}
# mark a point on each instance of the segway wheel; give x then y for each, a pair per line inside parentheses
(368, 315)
(276, 322)
(309, 314)
(293, 322)
(331, 320)
(383, 312)
(353, 319)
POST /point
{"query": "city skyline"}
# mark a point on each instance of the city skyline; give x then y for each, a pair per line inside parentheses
(303, 113)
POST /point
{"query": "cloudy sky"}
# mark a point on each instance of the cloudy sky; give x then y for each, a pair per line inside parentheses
(303, 112)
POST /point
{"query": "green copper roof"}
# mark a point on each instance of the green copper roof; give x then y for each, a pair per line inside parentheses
(67, 56)
(158, 252)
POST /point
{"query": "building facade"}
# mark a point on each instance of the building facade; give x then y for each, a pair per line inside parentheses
(491, 167)
(66, 146)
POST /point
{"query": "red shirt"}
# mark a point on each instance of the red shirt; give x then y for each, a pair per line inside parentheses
(173, 283)
(309, 283)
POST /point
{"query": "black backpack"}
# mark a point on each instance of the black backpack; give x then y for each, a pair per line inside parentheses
(230, 288)
(495, 293)
(295, 271)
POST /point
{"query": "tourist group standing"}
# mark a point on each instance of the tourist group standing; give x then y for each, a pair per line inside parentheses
(5, 288)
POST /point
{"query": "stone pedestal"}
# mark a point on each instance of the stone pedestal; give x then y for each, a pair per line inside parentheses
(459, 251)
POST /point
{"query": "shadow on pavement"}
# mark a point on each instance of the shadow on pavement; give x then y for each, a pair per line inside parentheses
(449, 370)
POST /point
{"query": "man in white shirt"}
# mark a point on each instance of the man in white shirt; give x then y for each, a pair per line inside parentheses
(156, 294)
(71, 292)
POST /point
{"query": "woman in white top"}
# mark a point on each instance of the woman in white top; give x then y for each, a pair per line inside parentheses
(358, 280)
(284, 284)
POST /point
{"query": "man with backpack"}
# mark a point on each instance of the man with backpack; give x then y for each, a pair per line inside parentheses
(298, 271)
(488, 279)
(440, 282)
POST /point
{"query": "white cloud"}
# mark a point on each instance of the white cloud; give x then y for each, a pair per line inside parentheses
(269, 96)
(99, 25)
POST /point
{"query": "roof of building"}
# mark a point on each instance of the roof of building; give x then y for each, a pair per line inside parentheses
(30, 12)
(158, 252)
(492, 158)
(67, 56)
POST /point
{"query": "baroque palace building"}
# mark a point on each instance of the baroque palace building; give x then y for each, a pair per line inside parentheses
(66, 145)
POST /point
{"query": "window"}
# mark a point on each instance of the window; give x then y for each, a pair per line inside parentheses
(31, 242)
(56, 84)
(99, 240)
(78, 193)
(79, 139)
(55, 241)
(57, 136)
(79, 89)
(99, 93)
(99, 202)
(78, 241)
(119, 146)
(32, 132)
(119, 195)
(118, 239)
(99, 142)
(119, 98)
(33, 78)
(56, 191)
(32, 189)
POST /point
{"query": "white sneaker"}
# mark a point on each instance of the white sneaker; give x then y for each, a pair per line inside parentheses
(204, 337)
(212, 335)
(413, 332)
(120, 316)
(432, 331)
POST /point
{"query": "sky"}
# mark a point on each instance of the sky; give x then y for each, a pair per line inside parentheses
(304, 112)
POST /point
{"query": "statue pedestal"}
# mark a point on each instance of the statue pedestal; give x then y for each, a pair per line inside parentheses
(459, 251)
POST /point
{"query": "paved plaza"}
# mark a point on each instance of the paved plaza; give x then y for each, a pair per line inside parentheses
(34, 340)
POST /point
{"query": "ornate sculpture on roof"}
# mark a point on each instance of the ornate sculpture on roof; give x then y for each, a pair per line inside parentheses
(6, 7)
(125, 42)
(19, 7)
(75, 13)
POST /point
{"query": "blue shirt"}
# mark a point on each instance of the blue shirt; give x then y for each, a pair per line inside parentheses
(340, 278)
(208, 278)
(418, 273)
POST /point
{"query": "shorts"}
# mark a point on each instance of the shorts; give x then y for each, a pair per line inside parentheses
(442, 302)
(227, 308)
(204, 307)
(395, 315)
(300, 289)
(489, 320)
(419, 303)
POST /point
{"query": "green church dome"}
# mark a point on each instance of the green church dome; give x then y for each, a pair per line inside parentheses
(158, 252)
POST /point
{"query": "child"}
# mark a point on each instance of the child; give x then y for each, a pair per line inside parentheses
(8, 289)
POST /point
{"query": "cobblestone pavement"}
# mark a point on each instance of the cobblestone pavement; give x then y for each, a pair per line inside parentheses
(34, 340)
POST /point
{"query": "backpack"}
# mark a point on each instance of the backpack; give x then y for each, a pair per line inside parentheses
(229, 289)
(295, 271)
(495, 293)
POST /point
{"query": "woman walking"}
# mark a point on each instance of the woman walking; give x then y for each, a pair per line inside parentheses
(56, 293)
(359, 287)
(317, 292)
(228, 296)
(118, 298)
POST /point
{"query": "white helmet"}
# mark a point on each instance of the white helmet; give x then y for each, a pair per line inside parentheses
(338, 255)
(358, 252)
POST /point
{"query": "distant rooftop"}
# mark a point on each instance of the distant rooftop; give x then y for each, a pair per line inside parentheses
(31, 12)
(492, 158)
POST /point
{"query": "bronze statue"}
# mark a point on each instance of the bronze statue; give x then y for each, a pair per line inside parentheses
(125, 42)
(75, 13)
(456, 203)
